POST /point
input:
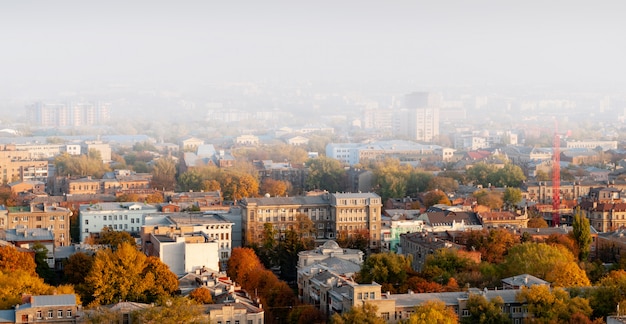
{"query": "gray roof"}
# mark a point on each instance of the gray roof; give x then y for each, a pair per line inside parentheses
(53, 300)
(271, 201)
(336, 265)
(526, 280)
(7, 316)
(197, 219)
(29, 234)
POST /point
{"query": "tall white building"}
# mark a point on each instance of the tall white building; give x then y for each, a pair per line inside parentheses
(184, 253)
(125, 216)
(419, 119)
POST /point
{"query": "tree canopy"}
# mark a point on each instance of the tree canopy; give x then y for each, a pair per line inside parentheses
(433, 312)
(388, 269)
(326, 174)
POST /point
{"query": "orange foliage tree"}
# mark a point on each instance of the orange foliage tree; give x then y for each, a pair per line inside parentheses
(12, 260)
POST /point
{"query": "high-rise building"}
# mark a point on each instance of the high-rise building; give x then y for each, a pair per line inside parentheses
(419, 119)
(69, 114)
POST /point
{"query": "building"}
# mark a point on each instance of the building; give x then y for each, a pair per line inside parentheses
(68, 114)
(44, 309)
(125, 216)
(19, 166)
(42, 216)
(502, 219)
(605, 145)
(184, 252)
(405, 151)
(420, 245)
(214, 226)
(399, 222)
(247, 140)
(282, 171)
(330, 214)
(104, 149)
(419, 120)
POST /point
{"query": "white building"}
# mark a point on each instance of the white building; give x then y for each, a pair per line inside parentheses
(125, 216)
(184, 253)
(214, 226)
(354, 153)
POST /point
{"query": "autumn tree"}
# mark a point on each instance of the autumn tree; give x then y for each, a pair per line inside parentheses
(242, 262)
(170, 310)
(365, 314)
(359, 239)
(582, 234)
(483, 311)
(113, 238)
(554, 264)
(18, 282)
(7, 197)
(537, 222)
(127, 274)
(553, 305)
(306, 314)
(442, 183)
(445, 264)
(164, 174)
(435, 197)
(326, 174)
(11, 259)
(493, 244)
(388, 269)
(201, 295)
(274, 188)
(154, 198)
(488, 198)
(608, 292)
(433, 312)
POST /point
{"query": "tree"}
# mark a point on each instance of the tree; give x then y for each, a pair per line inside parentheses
(306, 314)
(444, 184)
(365, 314)
(7, 197)
(436, 197)
(512, 196)
(201, 295)
(236, 186)
(114, 238)
(582, 234)
(493, 245)
(433, 312)
(171, 310)
(127, 274)
(326, 174)
(13, 260)
(488, 198)
(546, 262)
(445, 264)
(483, 311)
(554, 305)
(481, 173)
(41, 260)
(510, 176)
(359, 239)
(154, 198)
(610, 291)
(242, 262)
(273, 187)
(541, 175)
(80, 165)
(388, 269)
(537, 222)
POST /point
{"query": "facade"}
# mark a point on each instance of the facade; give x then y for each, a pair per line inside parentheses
(217, 229)
(605, 145)
(41, 216)
(405, 151)
(330, 214)
(47, 309)
(69, 114)
(185, 252)
(420, 245)
(126, 216)
(283, 171)
(103, 148)
(18, 165)
(246, 140)
(542, 191)
(502, 219)
(399, 223)
(419, 120)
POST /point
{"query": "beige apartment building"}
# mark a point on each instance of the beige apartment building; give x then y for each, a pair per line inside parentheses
(55, 219)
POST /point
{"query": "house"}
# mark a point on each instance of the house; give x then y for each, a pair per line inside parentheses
(247, 140)
(44, 309)
(42, 216)
(35, 187)
(297, 140)
(184, 252)
(190, 144)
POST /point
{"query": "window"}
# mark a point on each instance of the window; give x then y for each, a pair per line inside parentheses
(465, 312)
(372, 294)
(51, 218)
(86, 222)
(50, 313)
(60, 313)
(360, 296)
(39, 218)
(125, 226)
(385, 315)
(39, 316)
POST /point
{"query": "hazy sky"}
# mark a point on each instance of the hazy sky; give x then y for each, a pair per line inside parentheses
(65, 45)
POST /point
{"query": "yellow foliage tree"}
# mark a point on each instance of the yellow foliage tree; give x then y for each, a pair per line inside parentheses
(433, 312)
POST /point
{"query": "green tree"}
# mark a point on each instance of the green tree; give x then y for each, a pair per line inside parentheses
(582, 234)
(190, 181)
(41, 260)
(164, 174)
(444, 184)
(510, 176)
(483, 311)
(326, 174)
(433, 312)
(445, 264)
(365, 314)
(388, 269)
(481, 173)
(512, 196)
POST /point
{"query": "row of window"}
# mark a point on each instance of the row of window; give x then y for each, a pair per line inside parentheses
(38, 218)
(114, 217)
(68, 313)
